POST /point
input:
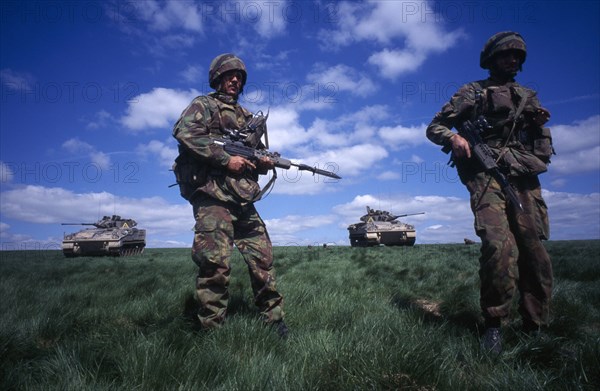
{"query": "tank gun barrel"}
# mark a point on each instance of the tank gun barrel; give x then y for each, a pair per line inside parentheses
(412, 214)
(77, 224)
(409, 214)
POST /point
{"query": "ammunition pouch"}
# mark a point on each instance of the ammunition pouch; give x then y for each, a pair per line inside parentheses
(542, 222)
(542, 145)
(500, 101)
(189, 176)
(520, 162)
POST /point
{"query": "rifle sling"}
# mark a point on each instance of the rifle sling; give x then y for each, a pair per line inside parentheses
(267, 187)
(522, 103)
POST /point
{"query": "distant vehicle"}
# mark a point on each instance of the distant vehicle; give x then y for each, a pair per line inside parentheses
(380, 227)
(111, 236)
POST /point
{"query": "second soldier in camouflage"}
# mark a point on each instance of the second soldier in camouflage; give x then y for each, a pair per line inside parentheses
(512, 254)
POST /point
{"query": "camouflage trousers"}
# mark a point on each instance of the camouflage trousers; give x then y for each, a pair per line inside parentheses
(512, 254)
(218, 227)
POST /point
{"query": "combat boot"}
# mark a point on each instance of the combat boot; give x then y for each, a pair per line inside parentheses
(491, 341)
(529, 327)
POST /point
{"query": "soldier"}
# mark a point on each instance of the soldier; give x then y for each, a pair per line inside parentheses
(222, 190)
(512, 254)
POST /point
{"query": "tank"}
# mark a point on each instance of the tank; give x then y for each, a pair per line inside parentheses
(110, 236)
(381, 227)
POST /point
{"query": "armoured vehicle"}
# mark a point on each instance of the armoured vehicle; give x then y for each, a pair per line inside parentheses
(110, 236)
(381, 227)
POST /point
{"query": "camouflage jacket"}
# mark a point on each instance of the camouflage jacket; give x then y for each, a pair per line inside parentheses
(201, 167)
(509, 108)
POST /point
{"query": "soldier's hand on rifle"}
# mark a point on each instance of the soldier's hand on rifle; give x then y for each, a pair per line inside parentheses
(265, 163)
(238, 164)
(460, 146)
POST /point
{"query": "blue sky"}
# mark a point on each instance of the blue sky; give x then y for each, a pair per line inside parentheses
(90, 92)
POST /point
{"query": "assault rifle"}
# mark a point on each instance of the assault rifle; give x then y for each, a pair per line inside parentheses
(471, 131)
(233, 144)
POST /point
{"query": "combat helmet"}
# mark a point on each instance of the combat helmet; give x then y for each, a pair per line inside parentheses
(225, 63)
(506, 40)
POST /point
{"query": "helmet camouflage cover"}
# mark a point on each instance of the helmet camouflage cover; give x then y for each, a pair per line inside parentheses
(225, 63)
(506, 40)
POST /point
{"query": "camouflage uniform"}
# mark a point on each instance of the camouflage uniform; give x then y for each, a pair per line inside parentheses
(512, 254)
(223, 206)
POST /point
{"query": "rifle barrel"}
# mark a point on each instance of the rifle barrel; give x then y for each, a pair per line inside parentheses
(315, 170)
(237, 148)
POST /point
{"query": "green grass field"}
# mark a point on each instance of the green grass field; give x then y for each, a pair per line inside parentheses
(360, 319)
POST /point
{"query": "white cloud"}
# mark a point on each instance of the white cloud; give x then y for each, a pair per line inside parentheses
(100, 158)
(75, 145)
(171, 41)
(285, 131)
(398, 205)
(450, 220)
(343, 78)
(386, 21)
(577, 136)
(350, 160)
(46, 205)
(407, 31)
(572, 215)
(6, 173)
(578, 161)
(328, 134)
(101, 120)
(193, 74)
(16, 81)
(401, 136)
(184, 14)
(278, 60)
(301, 182)
(577, 146)
(392, 63)
(346, 17)
(446, 219)
(14, 241)
(268, 17)
(161, 26)
(159, 108)
(388, 176)
(292, 224)
(367, 114)
(416, 159)
(166, 154)
(4, 229)
(355, 127)
(174, 14)
(346, 162)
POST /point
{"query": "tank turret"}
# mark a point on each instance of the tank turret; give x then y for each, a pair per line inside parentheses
(111, 236)
(381, 227)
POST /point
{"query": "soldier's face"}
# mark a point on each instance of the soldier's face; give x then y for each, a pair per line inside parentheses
(507, 62)
(231, 83)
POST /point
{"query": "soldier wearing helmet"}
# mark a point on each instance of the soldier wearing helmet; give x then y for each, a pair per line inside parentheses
(502, 42)
(513, 257)
(222, 190)
(222, 64)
